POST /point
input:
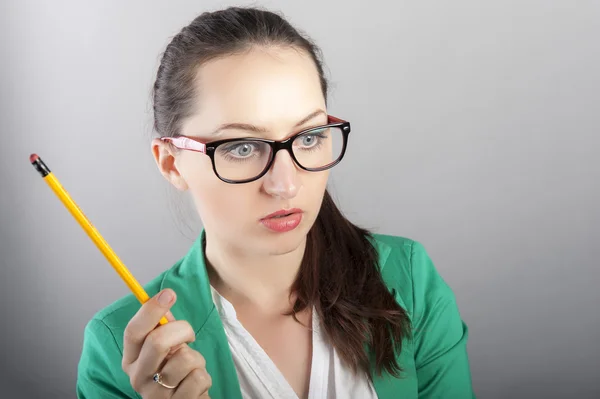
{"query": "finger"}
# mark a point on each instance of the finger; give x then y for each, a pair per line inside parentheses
(169, 316)
(159, 343)
(195, 385)
(144, 321)
(180, 364)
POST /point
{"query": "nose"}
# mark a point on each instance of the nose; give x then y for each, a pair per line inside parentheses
(282, 179)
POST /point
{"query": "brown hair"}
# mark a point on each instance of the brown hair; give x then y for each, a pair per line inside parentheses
(339, 274)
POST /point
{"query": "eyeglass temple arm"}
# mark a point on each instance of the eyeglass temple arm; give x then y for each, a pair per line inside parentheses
(185, 143)
(333, 119)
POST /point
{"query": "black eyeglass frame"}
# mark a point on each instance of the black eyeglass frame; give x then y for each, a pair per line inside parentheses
(209, 148)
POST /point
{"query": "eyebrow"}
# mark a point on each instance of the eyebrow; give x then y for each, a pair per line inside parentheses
(260, 129)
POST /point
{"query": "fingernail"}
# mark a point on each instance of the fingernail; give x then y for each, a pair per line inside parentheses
(165, 297)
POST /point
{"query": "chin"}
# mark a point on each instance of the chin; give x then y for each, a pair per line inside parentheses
(282, 243)
(283, 250)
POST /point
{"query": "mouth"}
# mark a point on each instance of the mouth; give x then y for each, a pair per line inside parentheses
(282, 221)
(282, 213)
(282, 216)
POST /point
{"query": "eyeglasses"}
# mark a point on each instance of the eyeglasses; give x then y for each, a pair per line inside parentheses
(243, 160)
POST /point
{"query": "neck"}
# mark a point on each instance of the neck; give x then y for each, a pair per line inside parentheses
(260, 280)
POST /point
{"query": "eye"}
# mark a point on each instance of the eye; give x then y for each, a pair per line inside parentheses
(312, 140)
(309, 140)
(241, 149)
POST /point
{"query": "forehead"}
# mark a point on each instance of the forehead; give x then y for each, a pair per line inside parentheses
(269, 87)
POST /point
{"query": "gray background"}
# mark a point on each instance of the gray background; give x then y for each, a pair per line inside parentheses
(475, 131)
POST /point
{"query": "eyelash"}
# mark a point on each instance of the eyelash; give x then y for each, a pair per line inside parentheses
(320, 136)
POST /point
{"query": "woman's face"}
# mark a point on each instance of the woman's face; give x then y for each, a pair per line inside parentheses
(278, 92)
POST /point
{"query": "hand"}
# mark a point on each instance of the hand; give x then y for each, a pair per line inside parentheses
(148, 349)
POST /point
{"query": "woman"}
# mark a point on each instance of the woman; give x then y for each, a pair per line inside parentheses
(280, 296)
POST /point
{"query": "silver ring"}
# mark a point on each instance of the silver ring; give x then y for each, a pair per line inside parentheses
(158, 378)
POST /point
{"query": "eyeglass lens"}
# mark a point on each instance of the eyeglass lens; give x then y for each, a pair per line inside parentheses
(246, 158)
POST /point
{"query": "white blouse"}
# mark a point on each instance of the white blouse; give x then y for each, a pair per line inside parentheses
(260, 379)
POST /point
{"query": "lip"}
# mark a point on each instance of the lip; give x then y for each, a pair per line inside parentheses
(282, 212)
(283, 220)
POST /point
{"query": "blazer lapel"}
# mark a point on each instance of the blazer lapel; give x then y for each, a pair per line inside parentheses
(194, 304)
(211, 342)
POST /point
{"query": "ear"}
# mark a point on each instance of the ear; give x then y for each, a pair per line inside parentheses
(164, 155)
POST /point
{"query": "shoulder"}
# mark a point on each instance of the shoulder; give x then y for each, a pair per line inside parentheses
(409, 272)
(399, 248)
(117, 314)
(108, 323)
(439, 335)
(397, 256)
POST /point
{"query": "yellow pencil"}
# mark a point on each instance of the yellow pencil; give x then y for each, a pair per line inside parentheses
(91, 231)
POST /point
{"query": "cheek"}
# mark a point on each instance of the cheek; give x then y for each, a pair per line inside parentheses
(219, 204)
(315, 184)
(216, 205)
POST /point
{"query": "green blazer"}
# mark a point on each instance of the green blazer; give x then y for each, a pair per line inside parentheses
(434, 360)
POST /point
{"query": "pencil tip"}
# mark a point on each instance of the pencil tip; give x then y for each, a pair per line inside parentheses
(33, 158)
